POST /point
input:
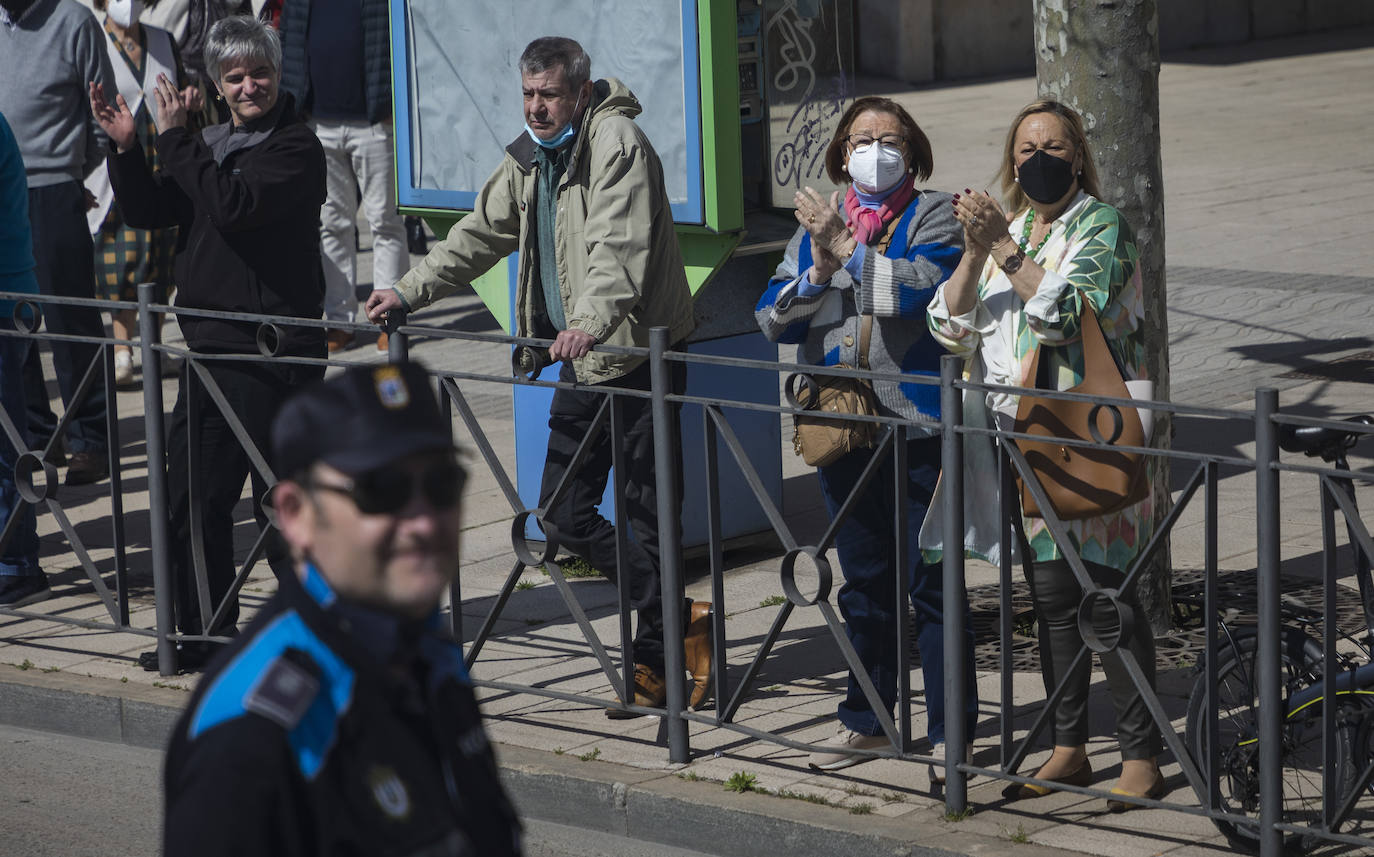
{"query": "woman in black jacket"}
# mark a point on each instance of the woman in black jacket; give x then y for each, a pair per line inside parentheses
(246, 197)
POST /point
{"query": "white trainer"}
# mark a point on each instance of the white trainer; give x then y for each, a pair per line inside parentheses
(124, 368)
(937, 769)
(847, 745)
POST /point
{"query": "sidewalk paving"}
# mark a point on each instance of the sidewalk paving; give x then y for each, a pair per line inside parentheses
(1269, 196)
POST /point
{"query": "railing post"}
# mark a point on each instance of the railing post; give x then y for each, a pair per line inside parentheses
(1268, 651)
(397, 348)
(952, 541)
(667, 454)
(149, 335)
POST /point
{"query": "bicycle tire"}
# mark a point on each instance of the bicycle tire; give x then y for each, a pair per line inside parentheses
(1238, 759)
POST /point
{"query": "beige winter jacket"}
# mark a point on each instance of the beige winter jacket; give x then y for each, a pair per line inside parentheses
(619, 267)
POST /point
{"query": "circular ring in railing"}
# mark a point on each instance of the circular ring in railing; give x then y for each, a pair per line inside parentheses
(788, 573)
(1117, 424)
(812, 389)
(529, 361)
(28, 464)
(1116, 629)
(520, 542)
(28, 316)
(270, 340)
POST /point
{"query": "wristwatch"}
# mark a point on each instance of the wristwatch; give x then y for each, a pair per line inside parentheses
(1012, 263)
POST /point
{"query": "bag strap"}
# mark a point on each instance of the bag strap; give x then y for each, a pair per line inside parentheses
(865, 336)
(1090, 334)
(1097, 353)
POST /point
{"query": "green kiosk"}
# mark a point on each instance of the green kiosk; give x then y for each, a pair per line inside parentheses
(696, 66)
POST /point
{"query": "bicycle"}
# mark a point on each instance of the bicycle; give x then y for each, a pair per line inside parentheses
(1304, 692)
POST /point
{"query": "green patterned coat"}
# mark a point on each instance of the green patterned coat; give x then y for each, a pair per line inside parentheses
(1090, 255)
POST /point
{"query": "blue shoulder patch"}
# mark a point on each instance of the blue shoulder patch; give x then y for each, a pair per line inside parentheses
(237, 690)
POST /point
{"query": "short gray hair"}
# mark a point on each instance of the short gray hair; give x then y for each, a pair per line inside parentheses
(549, 52)
(241, 37)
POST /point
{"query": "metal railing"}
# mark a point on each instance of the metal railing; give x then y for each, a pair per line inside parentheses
(733, 686)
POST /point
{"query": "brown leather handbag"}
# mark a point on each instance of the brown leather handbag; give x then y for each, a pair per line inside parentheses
(823, 440)
(1083, 482)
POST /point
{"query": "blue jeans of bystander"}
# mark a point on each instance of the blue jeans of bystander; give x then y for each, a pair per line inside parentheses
(20, 555)
(865, 543)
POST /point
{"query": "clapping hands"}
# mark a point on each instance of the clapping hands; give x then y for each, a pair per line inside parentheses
(114, 119)
(831, 239)
(983, 219)
(173, 106)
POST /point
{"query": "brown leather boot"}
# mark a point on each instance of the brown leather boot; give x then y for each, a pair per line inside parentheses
(696, 645)
(650, 692)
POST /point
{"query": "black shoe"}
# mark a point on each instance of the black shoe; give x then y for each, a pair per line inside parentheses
(16, 590)
(57, 456)
(415, 236)
(83, 468)
(191, 657)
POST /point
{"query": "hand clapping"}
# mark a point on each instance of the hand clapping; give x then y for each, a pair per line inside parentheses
(983, 219)
(823, 220)
(114, 119)
(172, 106)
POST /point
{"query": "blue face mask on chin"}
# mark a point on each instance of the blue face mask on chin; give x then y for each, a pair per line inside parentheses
(564, 136)
(568, 132)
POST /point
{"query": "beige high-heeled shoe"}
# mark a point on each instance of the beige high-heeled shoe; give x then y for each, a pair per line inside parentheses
(1080, 776)
(1156, 791)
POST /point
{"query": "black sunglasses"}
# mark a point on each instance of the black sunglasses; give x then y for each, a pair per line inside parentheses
(386, 491)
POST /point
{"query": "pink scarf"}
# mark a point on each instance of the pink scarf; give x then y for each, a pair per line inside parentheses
(869, 224)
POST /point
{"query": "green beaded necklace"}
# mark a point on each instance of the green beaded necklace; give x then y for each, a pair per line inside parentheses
(1026, 234)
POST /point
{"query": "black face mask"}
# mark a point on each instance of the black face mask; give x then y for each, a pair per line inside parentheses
(1044, 177)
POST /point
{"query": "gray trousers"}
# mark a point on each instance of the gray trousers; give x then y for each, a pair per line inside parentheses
(1057, 594)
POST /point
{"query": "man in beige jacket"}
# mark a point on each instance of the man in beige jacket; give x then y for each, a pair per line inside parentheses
(581, 197)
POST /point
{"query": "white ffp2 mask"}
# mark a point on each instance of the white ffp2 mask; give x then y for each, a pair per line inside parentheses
(124, 12)
(875, 167)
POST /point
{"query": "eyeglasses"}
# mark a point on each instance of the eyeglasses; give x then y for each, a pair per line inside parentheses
(858, 141)
(386, 491)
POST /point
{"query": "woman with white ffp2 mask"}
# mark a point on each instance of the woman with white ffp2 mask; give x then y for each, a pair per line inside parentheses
(852, 289)
(125, 256)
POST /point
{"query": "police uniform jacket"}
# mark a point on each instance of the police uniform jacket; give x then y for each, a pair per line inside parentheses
(322, 730)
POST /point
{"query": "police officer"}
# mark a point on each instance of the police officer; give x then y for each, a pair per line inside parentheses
(341, 721)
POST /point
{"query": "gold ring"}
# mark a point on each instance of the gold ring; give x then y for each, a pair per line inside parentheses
(811, 219)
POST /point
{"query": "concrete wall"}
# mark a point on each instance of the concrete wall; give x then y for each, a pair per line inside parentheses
(920, 41)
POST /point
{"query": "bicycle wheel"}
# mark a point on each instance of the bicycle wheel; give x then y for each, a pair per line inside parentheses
(1238, 744)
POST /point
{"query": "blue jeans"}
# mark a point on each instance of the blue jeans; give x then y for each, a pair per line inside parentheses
(20, 556)
(865, 544)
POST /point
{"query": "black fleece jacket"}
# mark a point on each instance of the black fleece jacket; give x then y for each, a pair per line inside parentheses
(249, 239)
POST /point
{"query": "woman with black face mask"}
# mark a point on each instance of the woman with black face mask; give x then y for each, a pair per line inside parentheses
(1023, 283)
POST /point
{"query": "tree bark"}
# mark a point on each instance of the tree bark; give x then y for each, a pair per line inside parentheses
(1101, 57)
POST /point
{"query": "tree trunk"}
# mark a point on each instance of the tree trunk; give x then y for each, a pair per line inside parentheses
(1101, 57)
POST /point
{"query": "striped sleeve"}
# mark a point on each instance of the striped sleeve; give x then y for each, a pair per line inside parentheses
(783, 313)
(903, 287)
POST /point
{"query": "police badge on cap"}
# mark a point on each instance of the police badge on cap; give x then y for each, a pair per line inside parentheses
(359, 419)
(392, 391)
